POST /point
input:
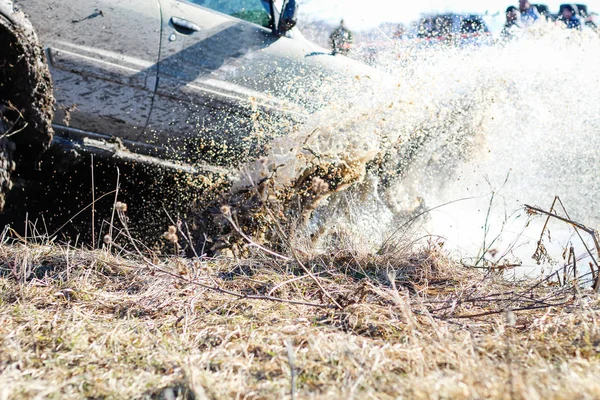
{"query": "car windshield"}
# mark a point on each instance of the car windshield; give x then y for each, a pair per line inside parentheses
(255, 11)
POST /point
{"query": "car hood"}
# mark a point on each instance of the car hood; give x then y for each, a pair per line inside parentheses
(298, 75)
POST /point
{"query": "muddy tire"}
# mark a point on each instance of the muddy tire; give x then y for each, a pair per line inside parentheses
(26, 101)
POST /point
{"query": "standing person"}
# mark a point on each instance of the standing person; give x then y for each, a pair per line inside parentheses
(529, 14)
(569, 15)
(513, 23)
(341, 39)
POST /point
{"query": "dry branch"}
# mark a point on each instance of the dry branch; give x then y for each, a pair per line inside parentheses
(577, 225)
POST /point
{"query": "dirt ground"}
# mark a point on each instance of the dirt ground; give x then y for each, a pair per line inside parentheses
(59, 199)
(127, 324)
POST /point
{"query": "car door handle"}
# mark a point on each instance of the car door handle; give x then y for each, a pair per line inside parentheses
(184, 26)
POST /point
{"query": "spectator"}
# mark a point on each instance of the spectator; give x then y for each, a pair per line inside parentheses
(513, 23)
(529, 14)
(569, 15)
(341, 39)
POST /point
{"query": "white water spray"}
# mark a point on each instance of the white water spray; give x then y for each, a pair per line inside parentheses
(519, 119)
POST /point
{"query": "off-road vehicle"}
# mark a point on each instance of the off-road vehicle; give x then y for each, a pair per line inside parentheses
(196, 84)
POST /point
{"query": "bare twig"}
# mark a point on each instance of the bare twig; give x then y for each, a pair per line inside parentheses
(235, 294)
(292, 363)
(252, 242)
(150, 264)
(112, 216)
(274, 289)
(79, 213)
(93, 205)
(578, 234)
(8, 132)
(409, 223)
(306, 270)
(26, 225)
(493, 312)
(572, 255)
(584, 228)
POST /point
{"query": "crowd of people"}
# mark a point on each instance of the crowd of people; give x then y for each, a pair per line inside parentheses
(527, 14)
(517, 19)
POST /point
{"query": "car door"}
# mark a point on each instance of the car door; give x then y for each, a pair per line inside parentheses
(199, 112)
(103, 58)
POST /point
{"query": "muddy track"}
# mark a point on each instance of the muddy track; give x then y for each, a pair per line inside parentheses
(56, 201)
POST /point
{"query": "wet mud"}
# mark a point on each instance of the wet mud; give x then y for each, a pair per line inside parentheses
(26, 101)
(72, 198)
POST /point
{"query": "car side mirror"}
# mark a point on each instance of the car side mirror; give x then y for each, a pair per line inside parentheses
(289, 16)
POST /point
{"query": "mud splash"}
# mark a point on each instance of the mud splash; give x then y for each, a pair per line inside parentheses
(446, 124)
(541, 140)
(454, 125)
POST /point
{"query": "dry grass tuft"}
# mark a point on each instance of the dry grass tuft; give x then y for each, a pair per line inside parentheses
(77, 323)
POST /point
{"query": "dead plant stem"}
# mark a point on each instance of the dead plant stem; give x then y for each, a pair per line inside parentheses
(112, 217)
(93, 205)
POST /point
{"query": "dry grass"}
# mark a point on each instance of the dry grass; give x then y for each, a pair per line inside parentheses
(77, 324)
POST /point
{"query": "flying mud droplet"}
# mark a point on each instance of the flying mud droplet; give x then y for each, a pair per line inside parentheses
(452, 119)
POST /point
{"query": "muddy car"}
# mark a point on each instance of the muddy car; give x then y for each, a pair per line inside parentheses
(198, 84)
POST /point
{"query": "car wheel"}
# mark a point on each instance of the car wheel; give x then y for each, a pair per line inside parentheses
(26, 101)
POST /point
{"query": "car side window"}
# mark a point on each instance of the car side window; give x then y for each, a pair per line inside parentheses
(255, 11)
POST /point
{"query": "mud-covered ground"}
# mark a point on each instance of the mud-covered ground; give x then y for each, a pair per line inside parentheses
(60, 200)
